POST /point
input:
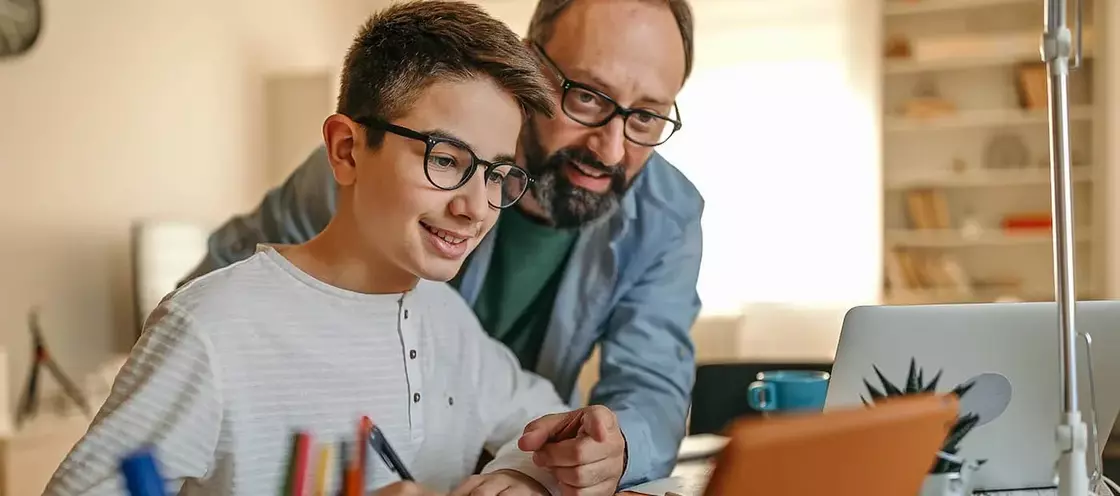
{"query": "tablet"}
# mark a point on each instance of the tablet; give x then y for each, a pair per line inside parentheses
(882, 450)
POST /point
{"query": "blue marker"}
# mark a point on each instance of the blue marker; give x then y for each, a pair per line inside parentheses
(141, 474)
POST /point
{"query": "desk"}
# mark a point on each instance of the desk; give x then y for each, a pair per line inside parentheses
(691, 474)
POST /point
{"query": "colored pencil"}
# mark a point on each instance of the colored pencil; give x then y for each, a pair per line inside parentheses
(141, 474)
(364, 427)
(298, 462)
(324, 471)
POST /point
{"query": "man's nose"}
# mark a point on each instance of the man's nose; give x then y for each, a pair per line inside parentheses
(471, 202)
(608, 142)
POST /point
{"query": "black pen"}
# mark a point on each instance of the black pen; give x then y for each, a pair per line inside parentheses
(378, 442)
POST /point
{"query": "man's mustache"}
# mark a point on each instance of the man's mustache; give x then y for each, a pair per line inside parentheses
(588, 159)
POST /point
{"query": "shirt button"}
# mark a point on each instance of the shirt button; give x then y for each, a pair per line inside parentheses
(415, 397)
(450, 401)
(412, 354)
(406, 313)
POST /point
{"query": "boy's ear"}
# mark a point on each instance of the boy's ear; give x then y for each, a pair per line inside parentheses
(340, 134)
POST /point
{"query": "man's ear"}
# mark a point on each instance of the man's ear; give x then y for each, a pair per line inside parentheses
(340, 134)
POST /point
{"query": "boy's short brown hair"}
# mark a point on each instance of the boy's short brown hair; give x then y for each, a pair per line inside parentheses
(403, 49)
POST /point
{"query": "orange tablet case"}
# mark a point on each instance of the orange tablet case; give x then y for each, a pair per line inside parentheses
(884, 450)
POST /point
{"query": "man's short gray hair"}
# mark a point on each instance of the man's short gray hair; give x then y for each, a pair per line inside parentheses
(544, 20)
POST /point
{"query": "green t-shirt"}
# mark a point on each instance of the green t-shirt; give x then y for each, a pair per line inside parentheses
(517, 294)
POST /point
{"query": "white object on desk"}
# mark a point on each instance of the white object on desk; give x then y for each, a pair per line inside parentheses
(688, 479)
(700, 446)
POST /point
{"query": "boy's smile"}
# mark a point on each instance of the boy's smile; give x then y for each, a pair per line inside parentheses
(452, 245)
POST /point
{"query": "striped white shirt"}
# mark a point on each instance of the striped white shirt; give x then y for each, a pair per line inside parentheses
(234, 362)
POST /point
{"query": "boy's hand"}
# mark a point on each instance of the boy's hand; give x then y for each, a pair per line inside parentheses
(584, 449)
(405, 488)
(506, 482)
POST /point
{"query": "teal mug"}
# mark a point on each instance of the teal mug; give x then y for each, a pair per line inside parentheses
(788, 390)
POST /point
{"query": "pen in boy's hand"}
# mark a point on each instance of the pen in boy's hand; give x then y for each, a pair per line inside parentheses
(379, 443)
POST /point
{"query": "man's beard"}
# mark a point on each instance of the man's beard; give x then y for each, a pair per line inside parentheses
(566, 204)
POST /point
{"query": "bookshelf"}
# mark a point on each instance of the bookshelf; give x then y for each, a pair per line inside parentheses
(966, 180)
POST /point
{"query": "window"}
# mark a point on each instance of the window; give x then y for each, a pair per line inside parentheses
(784, 148)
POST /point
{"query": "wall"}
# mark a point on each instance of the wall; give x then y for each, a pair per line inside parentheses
(295, 107)
(126, 109)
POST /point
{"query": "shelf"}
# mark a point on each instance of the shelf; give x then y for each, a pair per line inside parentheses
(981, 294)
(910, 7)
(987, 178)
(981, 118)
(951, 238)
(894, 67)
(982, 57)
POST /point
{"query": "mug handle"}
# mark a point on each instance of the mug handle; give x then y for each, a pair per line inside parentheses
(760, 396)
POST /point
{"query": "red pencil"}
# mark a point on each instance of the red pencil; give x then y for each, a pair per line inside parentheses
(354, 485)
(298, 463)
(363, 449)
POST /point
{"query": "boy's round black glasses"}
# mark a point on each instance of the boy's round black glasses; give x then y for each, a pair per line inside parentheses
(450, 163)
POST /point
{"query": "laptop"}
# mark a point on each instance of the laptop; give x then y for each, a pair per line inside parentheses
(1011, 350)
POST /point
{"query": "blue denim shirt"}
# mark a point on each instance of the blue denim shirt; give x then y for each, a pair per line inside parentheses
(629, 287)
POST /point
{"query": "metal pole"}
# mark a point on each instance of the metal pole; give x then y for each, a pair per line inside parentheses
(1072, 436)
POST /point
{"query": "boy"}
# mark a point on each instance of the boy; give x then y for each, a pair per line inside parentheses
(314, 336)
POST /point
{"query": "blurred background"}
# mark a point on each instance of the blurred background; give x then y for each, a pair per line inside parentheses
(850, 152)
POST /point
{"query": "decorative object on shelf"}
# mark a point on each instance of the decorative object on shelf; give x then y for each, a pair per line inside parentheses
(927, 102)
(1006, 151)
(959, 165)
(950, 475)
(28, 403)
(971, 227)
(898, 47)
(1076, 159)
(1027, 223)
(1031, 86)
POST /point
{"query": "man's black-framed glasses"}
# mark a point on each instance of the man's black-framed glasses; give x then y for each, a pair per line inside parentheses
(593, 108)
(450, 163)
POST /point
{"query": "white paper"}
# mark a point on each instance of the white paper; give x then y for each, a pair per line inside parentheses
(687, 479)
(701, 445)
(669, 486)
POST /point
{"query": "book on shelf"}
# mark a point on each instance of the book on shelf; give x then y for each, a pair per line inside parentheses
(910, 270)
(923, 270)
(927, 209)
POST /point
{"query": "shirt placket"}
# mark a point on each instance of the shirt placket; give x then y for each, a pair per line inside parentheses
(408, 324)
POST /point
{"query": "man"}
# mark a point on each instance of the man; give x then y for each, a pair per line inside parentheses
(312, 337)
(605, 247)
